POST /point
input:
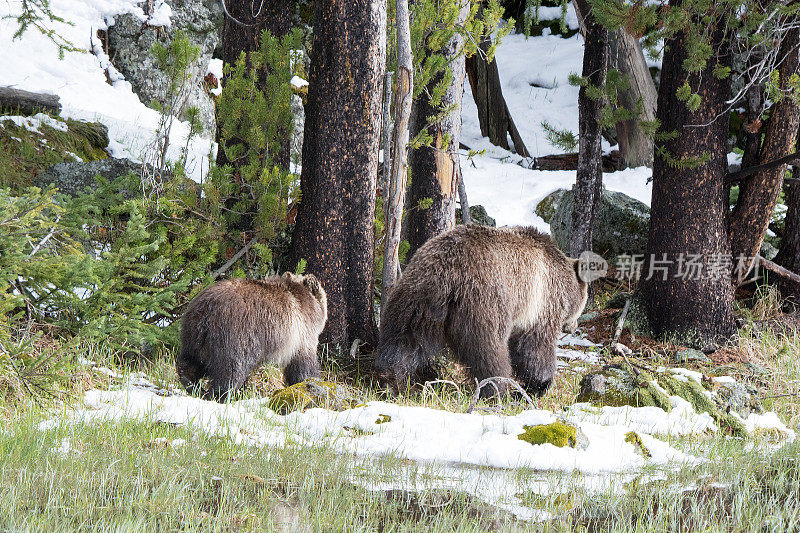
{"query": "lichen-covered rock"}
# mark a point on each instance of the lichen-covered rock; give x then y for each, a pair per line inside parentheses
(621, 227)
(478, 215)
(547, 206)
(633, 438)
(75, 177)
(310, 393)
(558, 434)
(130, 41)
(688, 355)
(619, 384)
(733, 396)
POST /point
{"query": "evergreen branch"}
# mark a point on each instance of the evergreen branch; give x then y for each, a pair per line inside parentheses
(739, 175)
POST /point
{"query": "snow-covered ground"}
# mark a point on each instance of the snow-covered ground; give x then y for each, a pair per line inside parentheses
(534, 74)
(480, 454)
(32, 63)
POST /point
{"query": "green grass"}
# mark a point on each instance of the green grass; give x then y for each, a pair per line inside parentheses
(124, 476)
(24, 153)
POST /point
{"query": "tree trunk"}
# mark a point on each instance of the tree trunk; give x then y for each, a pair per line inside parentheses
(625, 55)
(589, 182)
(687, 217)
(759, 193)
(789, 253)
(395, 195)
(22, 102)
(335, 219)
(493, 115)
(436, 169)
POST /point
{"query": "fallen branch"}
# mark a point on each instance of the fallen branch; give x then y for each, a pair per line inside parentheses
(221, 270)
(493, 381)
(776, 268)
(734, 177)
(28, 103)
(621, 322)
(46, 238)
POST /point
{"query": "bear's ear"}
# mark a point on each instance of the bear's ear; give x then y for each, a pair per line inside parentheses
(313, 285)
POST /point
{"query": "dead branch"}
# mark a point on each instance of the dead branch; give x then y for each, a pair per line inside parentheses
(221, 270)
(493, 381)
(621, 323)
(776, 268)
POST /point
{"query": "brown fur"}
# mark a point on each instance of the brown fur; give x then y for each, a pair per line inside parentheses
(235, 326)
(498, 297)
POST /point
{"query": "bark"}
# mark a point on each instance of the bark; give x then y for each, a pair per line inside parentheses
(436, 169)
(589, 182)
(334, 230)
(394, 199)
(759, 193)
(789, 252)
(687, 215)
(625, 55)
(493, 115)
(28, 103)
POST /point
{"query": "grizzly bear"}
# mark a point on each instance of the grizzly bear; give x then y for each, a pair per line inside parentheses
(497, 297)
(235, 326)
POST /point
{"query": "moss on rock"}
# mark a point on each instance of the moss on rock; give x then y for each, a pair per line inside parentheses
(557, 434)
(633, 438)
(311, 393)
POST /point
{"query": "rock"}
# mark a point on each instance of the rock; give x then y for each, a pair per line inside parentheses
(311, 393)
(691, 356)
(558, 434)
(621, 227)
(768, 251)
(546, 208)
(586, 317)
(75, 177)
(130, 41)
(478, 215)
(620, 349)
(733, 396)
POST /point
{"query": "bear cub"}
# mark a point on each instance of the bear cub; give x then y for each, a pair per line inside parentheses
(235, 326)
(499, 298)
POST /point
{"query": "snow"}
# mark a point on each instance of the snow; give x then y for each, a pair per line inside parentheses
(535, 91)
(479, 454)
(33, 123)
(298, 82)
(32, 63)
(215, 67)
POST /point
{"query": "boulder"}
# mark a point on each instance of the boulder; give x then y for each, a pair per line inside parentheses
(130, 41)
(74, 177)
(621, 226)
(311, 393)
(478, 216)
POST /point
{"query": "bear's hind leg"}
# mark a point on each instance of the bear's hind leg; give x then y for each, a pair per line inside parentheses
(533, 358)
(484, 357)
(303, 365)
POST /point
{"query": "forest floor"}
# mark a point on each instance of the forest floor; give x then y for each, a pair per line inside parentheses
(126, 449)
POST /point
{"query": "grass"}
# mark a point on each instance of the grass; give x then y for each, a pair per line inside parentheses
(127, 475)
(25, 153)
